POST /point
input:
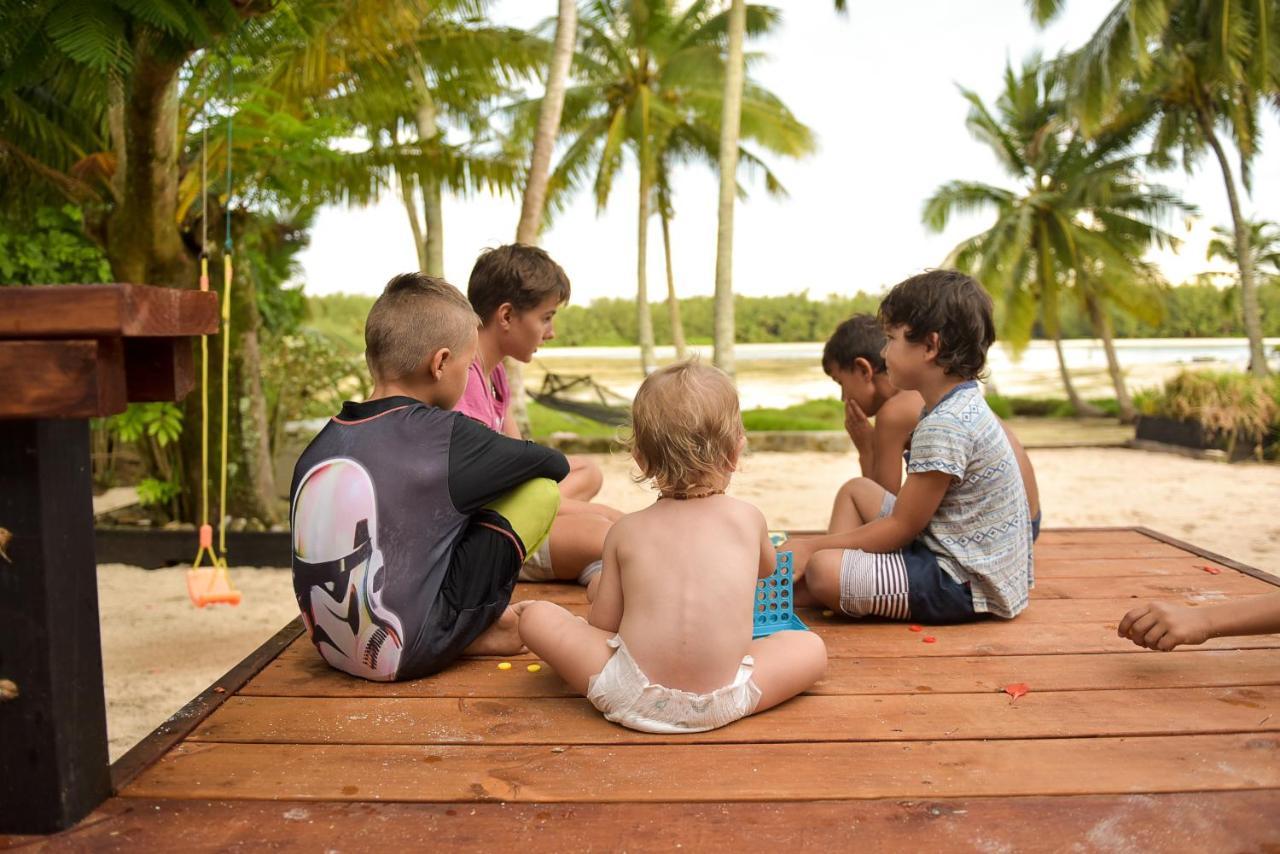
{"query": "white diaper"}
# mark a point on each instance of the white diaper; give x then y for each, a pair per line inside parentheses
(626, 696)
(537, 564)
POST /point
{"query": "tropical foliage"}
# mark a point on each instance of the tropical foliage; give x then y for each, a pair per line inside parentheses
(1076, 225)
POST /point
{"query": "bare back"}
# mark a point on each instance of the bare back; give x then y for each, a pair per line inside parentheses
(688, 571)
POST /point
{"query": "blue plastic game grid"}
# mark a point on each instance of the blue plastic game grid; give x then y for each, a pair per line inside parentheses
(772, 611)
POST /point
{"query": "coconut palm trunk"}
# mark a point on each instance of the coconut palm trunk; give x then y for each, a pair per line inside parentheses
(735, 71)
(1244, 253)
(410, 200)
(432, 195)
(644, 316)
(673, 304)
(1102, 328)
(535, 188)
(1073, 397)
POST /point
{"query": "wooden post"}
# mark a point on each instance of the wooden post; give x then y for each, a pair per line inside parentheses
(67, 354)
(54, 749)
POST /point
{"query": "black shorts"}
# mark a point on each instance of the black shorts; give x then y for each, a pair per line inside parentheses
(475, 591)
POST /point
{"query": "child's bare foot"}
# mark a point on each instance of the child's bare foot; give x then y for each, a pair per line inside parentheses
(503, 637)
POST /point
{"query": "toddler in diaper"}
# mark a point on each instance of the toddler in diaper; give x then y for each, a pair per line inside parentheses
(667, 645)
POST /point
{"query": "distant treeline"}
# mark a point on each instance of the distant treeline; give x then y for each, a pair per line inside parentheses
(1198, 310)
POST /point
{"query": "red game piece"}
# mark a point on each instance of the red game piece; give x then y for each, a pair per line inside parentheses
(929, 639)
(915, 628)
(1212, 570)
(1017, 689)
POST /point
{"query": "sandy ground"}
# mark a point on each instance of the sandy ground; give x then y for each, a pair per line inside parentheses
(159, 651)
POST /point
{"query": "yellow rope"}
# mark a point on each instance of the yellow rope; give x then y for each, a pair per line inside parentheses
(226, 372)
(206, 538)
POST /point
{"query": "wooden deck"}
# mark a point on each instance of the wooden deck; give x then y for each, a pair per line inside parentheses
(902, 744)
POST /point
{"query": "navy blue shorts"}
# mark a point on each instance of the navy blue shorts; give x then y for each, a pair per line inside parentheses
(904, 585)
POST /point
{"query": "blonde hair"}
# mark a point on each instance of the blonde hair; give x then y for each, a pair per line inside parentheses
(686, 427)
(416, 315)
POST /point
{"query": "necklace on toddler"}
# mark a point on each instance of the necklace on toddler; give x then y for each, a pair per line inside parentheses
(685, 496)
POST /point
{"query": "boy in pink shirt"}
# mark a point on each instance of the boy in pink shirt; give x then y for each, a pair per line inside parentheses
(516, 290)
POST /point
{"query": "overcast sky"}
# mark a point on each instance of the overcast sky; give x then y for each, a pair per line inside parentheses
(878, 87)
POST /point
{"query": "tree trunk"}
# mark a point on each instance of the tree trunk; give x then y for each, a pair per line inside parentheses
(432, 205)
(411, 210)
(1102, 328)
(544, 140)
(144, 244)
(1244, 254)
(251, 492)
(673, 304)
(535, 188)
(729, 123)
(644, 317)
(1082, 409)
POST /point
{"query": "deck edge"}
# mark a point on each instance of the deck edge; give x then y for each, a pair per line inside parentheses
(1208, 555)
(180, 724)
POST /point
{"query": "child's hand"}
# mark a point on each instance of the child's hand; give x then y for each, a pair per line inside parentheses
(858, 426)
(1159, 625)
(800, 554)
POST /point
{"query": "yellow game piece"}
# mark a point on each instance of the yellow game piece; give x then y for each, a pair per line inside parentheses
(505, 665)
(828, 613)
(534, 668)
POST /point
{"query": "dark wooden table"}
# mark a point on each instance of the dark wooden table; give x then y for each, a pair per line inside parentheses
(68, 353)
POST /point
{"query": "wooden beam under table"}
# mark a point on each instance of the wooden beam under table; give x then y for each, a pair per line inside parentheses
(81, 378)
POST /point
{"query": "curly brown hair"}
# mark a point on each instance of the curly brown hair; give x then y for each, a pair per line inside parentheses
(685, 427)
(954, 306)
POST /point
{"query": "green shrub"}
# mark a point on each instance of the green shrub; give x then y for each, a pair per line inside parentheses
(1001, 406)
(1233, 406)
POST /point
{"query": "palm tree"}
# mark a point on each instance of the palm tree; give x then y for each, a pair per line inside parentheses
(548, 128)
(1077, 224)
(722, 352)
(533, 202)
(732, 104)
(1264, 245)
(1202, 65)
(649, 83)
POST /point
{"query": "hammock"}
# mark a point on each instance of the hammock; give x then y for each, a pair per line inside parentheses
(612, 409)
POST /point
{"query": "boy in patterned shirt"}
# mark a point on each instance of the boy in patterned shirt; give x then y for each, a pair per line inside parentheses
(956, 542)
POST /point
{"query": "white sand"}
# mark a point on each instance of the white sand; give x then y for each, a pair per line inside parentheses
(159, 651)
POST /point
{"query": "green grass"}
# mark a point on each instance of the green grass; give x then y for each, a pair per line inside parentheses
(810, 415)
(546, 421)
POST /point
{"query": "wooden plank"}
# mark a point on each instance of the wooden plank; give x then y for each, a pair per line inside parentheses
(880, 639)
(1268, 577)
(1085, 551)
(1192, 567)
(306, 675)
(114, 310)
(1209, 588)
(1203, 821)
(62, 379)
(1040, 610)
(701, 772)
(1069, 536)
(869, 717)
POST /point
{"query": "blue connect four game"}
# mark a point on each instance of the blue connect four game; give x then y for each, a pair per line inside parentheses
(773, 611)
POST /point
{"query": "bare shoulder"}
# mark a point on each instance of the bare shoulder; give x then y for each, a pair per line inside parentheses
(746, 512)
(901, 412)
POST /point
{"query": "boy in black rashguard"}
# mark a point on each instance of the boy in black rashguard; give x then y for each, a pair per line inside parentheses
(410, 522)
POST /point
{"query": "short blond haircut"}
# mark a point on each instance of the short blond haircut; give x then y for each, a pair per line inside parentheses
(686, 427)
(416, 315)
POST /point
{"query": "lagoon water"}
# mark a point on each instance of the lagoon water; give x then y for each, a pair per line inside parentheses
(779, 375)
